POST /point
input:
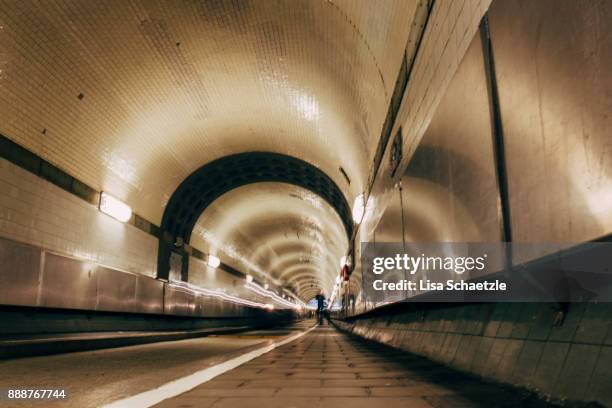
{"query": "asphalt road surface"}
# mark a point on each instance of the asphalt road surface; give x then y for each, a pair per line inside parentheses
(95, 378)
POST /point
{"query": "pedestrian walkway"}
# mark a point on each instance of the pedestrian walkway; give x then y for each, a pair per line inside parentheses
(327, 368)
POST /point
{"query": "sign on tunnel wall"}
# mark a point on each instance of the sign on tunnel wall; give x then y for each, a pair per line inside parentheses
(481, 272)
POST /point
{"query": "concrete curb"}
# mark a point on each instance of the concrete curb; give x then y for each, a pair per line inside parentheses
(46, 346)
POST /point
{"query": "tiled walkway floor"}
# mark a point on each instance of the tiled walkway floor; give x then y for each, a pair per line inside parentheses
(329, 369)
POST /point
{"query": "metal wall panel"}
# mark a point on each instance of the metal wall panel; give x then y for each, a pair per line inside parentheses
(116, 290)
(212, 307)
(68, 283)
(389, 227)
(199, 306)
(178, 301)
(217, 308)
(149, 295)
(190, 305)
(552, 62)
(19, 273)
(449, 188)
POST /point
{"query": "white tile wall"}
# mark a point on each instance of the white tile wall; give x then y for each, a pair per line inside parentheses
(450, 29)
(172, 85)
(452, 26)
(37, 212)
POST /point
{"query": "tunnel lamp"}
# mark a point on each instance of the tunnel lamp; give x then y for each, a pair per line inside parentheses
(249, 278)
(358, 208)
(109, 205)
(266, 286)
(213, 261)
(269, 306)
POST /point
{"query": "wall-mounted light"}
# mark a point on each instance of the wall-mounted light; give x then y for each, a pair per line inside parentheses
(358, 208)
(249, 278)
(117, 209)
(278, 298)
(362, 210)
(213, 261)
(266, 286)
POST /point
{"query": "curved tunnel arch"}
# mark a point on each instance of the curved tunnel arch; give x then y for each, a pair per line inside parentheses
(275, 244)
(211, 181)
(297, 268)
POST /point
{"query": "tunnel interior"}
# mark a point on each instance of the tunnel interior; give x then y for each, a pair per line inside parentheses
(269, 172)
(175, 170)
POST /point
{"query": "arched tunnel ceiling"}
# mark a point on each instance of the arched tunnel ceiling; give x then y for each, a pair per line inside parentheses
(133, 96)
(280, 233)
(214, 179)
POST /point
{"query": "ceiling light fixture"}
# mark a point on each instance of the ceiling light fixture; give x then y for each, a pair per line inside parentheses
(213, 261)
(117, 209)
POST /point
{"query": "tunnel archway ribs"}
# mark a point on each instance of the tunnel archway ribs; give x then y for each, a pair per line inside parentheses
(216, 178)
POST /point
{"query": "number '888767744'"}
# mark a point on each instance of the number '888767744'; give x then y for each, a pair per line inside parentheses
(35, 393)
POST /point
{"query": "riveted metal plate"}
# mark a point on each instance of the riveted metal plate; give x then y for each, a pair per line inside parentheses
(116, 290)
(68, 283)
(19, 273)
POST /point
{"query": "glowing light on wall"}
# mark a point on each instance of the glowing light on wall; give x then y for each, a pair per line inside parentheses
(213, 261)
(219, 293)
(109, 205)
(358, 208)
(271, 295)
(249, 278)
(361, 209)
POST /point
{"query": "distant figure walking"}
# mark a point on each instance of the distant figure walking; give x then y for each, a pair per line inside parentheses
(320, 307)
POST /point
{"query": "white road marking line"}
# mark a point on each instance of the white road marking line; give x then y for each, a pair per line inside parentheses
(176, 387)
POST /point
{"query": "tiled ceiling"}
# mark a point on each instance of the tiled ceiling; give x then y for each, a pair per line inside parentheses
(131, 96)
(280, 233)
